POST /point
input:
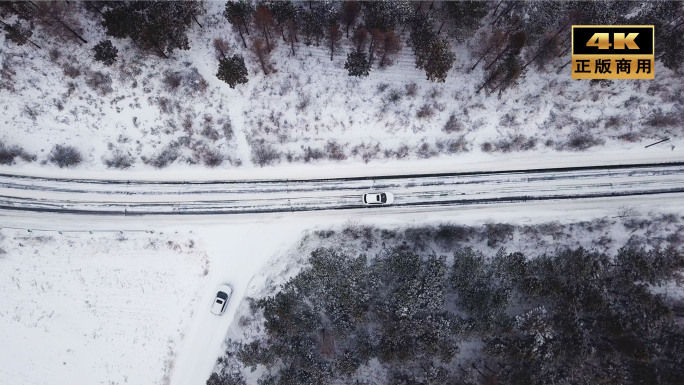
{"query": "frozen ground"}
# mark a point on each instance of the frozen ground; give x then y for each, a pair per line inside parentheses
(146, 336)
(309, 110)
(102, 308)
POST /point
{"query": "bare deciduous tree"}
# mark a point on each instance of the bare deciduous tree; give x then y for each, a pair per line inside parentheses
(376, 37)
(516, 42)
(547, 50)
(262, 55)
(18, 33)
(58, 13)
(238, 13)
(488, 44)
(333, 35)
(388, 47)
(291, 34)
(222, 47)
(360, 38)
(263, 20)
(350, 12)
(283, 12)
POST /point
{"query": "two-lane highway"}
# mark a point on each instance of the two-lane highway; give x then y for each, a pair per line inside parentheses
(89, 196)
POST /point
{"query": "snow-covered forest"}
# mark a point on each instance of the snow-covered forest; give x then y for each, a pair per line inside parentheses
(531, 304)
(151, 84)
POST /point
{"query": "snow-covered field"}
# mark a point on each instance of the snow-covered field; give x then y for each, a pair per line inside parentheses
(100, 308)
(310, 110)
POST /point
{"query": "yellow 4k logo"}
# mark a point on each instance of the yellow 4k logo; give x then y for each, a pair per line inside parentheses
(612, 52)
(602, 41)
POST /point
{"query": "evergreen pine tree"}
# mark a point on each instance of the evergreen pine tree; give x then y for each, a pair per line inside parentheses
(105, 52)
(232, 71)
(357, 64)
(438, 60)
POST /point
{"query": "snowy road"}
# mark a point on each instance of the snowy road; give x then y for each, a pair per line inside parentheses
(83, 196)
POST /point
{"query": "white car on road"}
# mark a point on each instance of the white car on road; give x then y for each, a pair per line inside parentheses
(221, 299)
(378, 198)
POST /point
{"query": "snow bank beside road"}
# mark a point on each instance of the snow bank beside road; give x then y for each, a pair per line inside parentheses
(468, 162)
